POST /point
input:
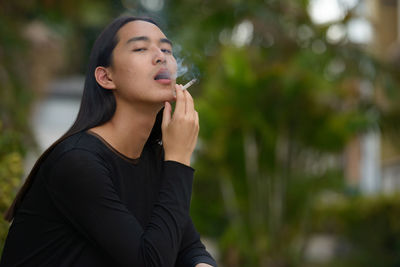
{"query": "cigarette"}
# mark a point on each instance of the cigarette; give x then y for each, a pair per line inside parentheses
(186, 86)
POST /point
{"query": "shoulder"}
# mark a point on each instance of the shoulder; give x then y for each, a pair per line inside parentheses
(77, 150)
(82, 141)
(75, 161)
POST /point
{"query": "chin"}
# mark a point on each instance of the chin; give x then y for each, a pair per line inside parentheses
(170, 96)
(170, 100)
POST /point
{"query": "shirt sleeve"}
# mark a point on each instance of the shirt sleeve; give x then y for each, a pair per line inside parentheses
(81, 188)
(192, 250)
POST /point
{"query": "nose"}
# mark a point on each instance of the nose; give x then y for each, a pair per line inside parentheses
(159, 56)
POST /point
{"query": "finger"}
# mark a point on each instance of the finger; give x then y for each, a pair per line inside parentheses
(166, 115)
(180, 107)
(197, 120)
(189, 104)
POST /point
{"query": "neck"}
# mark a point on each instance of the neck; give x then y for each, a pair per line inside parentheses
(128, 129)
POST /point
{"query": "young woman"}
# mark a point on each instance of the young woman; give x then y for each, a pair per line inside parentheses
(115, 189)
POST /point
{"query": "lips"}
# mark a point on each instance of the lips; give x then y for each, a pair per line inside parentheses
(162, 74)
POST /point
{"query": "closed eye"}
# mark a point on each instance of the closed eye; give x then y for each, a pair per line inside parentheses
(167, 51)
(139, 49)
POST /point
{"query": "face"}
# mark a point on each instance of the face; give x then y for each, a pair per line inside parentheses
(143, 67)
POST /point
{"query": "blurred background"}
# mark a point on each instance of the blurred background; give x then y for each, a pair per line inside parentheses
(298, 160)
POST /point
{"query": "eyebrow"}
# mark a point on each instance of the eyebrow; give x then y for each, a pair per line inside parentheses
(147, 39)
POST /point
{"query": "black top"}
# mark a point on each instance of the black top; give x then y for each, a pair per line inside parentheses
(91, 206)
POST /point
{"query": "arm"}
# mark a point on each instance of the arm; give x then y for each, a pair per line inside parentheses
(193, 253)
(80, 187)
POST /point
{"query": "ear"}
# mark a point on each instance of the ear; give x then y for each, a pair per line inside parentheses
(104, 78)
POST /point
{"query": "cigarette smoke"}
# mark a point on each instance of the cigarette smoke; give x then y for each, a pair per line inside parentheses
(186, 71)
(182, 67)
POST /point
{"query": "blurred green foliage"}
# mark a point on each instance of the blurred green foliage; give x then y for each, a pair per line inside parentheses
(10, 178)
(276, 113)
(368, 227)
(14, 108)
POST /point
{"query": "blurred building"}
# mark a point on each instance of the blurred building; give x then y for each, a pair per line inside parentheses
(373, 160)
(386, 45)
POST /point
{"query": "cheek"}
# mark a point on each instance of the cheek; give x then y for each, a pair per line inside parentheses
(127, 70)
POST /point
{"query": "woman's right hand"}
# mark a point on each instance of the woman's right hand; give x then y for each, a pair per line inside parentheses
(180, 132)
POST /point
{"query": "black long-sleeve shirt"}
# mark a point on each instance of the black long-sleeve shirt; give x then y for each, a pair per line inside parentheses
(91, 206)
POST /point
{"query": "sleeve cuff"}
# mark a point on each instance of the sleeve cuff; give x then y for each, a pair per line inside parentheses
(177, 164)
(204, 259)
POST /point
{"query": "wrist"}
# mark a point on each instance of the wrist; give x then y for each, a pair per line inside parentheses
(183, 160)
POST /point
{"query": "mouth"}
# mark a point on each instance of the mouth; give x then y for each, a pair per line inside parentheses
(163, 76)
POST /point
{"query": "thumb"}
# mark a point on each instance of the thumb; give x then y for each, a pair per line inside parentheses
(166, 115)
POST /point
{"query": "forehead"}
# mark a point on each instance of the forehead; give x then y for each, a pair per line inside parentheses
(139, 28)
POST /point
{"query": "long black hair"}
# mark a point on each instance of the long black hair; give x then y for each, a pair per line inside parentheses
(97, 104)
